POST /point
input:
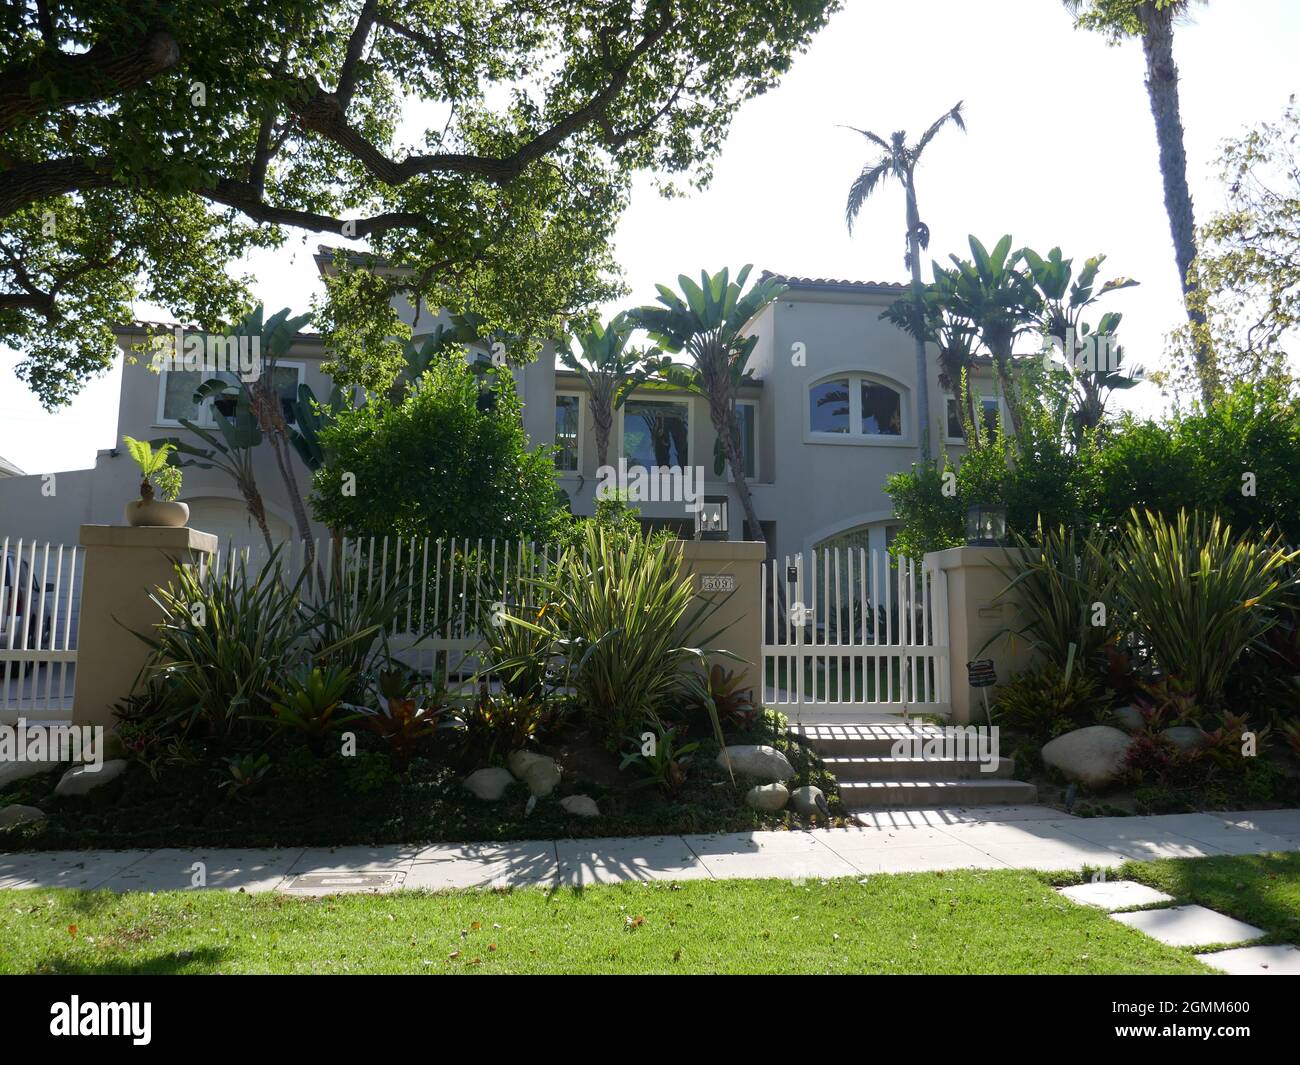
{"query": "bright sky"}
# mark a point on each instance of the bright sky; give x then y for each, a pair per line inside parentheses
(1060, 151)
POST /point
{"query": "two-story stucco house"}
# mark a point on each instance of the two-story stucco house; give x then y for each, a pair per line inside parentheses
(830, 414)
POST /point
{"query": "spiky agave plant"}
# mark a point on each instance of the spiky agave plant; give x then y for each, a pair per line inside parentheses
(622, 610)
(1199, 595)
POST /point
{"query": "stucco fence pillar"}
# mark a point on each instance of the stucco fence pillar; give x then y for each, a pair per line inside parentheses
(123, 566)
(977, 614)
(736, 565)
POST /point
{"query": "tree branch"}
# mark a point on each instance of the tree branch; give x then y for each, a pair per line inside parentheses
(356, 43)
(321, 112)
(107, 69)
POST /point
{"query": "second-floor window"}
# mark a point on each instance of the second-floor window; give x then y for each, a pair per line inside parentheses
(853, 405)
(568, 412)
(989, 407)
(176, 393)
(656, 433)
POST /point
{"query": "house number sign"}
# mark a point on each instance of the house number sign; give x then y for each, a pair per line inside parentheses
(723, 582)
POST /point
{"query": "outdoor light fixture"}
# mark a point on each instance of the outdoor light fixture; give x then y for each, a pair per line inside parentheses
(986, 525)
(711, 519)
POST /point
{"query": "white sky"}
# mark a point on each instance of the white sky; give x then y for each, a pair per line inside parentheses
(1060, 151)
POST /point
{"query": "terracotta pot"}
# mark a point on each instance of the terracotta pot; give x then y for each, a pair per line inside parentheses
(157, 512)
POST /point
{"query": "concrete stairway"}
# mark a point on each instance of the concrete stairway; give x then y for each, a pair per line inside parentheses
(861, 757)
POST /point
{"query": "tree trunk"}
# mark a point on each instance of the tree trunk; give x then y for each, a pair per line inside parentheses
(723, 416)
(266, 405)
(253, 500)
(1162, 89)
(918, 307)
(602, 420)
(1002, 361)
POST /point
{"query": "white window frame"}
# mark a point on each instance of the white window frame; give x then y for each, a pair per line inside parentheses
(583, 402)
(855, 437)
(692, 446)
(205, 419)
(984, 398)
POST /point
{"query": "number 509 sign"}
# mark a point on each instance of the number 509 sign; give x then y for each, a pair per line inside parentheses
(724, 582)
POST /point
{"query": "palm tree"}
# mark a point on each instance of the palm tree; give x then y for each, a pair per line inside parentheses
(899, 161)
(705, 321)
(1153, 21)
(955, 337)
(265, 405)
(1063, 300)
(999, 301)
(610, 371)
(229, 450)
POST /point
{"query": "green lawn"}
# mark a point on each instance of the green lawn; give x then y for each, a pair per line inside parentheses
(1262, 889)
(968, 922)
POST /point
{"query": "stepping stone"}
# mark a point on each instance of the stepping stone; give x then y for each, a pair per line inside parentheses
(1189, 926)
(1255, 961)
(1114, 894)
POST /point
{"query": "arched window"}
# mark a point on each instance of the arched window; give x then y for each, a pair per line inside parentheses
(855, 405)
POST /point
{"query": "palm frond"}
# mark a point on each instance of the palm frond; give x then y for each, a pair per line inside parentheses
(862, 187)
(954, 116)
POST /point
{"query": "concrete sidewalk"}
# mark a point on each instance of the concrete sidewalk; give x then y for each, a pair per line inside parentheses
(1025, 837)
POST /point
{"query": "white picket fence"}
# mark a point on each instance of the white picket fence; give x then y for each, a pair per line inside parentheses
(446, 586)
(848, 630)
(40, 604)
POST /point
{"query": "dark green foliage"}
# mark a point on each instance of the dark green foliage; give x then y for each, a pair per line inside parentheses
(1047, 701)
(436, 464)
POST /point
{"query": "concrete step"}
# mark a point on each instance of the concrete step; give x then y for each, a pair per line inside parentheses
(911, 794)
(869, 740)
(870, 768)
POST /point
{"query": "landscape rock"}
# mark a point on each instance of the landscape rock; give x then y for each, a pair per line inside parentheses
(489, 784)
(1186, 737)
(12, 772)
(768, 797)
(11, 816)
(538, 771)
(580, 805)
(81, 779)
(113, 748)
(1130, 718)
(757, 760)
(809, 800)
(1092, 756)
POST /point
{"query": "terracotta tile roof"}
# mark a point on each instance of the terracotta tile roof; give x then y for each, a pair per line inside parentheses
(836, 283)
(142, 325)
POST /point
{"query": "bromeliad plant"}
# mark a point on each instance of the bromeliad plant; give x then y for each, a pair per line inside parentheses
(407, 715)
(496, 723)
(311, 704)
(660, 759)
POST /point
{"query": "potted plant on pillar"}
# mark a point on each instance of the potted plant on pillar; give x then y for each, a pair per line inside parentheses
(156, 475)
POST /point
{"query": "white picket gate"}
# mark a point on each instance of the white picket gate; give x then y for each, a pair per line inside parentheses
(40, 603)
(849, 631)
